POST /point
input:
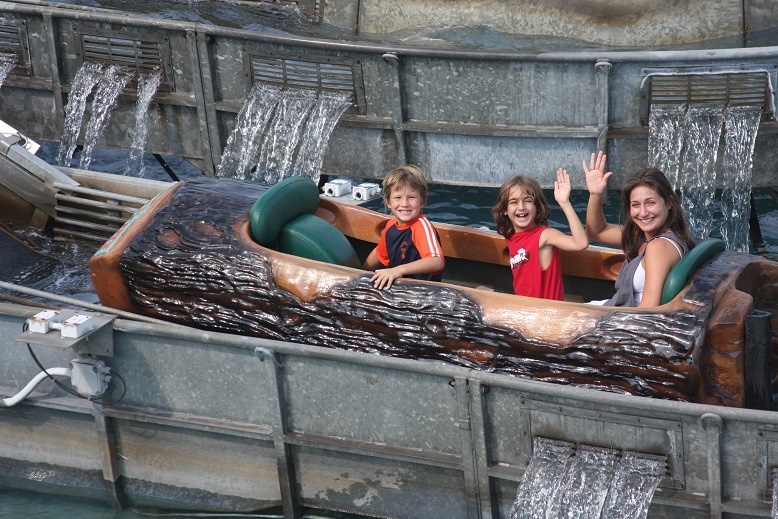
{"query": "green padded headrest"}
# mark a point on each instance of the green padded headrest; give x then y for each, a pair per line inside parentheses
(281, 204)
(683, 270)
(309, 236)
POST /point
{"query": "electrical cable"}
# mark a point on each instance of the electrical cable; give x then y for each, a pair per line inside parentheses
(73, 391)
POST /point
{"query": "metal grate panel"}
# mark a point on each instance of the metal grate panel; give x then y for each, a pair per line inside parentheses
(318, 73)
(140, 55)
(13, 41)
(707, 88)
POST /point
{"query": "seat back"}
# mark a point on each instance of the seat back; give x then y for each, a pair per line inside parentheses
(309, 236)
(279, 205)
(282, 219)
(684, 269)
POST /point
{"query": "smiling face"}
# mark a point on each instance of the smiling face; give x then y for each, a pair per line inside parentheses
(648, 211)
(405, 203)
(521, 210)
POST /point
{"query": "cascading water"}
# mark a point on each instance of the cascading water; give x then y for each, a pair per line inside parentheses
(266, 144)
(7, 63)
(587, 482)
(697, 183)
(693, 135)
(741, 126)
(634, 484)
(86, 78)
(282, 137)
(108, 89)
(321, 123)
(665, 140)
(240, 153)
(147, 87)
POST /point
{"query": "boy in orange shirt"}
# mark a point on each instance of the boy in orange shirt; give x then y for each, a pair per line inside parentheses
(409, 245)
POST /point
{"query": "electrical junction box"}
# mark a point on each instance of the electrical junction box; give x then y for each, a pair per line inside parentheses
(77, 326)
(42, 321)
(338, 187)
(365, 191)
(70, 330)
(90, 377)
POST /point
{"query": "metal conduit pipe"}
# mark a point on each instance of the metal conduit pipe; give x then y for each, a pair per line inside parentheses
(81, 304)
(712, 424)
(603, 68)
(32, 384)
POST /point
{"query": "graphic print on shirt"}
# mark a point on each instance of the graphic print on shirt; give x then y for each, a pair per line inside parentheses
(521, 257)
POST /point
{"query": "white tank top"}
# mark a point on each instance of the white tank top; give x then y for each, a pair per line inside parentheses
(639, 279)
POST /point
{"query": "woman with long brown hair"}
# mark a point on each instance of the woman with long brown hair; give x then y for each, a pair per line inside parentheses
(654, 235)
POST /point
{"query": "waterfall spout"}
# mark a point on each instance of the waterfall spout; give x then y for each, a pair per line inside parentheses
(275, 159)
(86, 78)
(684, 144)
(7, 63)
(741, 124)
(665, 140)
(108, 90)
(240, 154)
(320, 125)
(278, 134)
(147, 86)
(587, 482)
(697, 183)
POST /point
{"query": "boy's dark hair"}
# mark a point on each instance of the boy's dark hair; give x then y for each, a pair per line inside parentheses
(533, 189)
(632, 237)
(405, 176)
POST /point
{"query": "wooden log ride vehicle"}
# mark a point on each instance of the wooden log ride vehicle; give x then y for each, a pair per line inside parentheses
(283, 263)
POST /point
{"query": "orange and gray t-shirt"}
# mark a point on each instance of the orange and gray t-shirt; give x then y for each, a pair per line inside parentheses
(406, 243)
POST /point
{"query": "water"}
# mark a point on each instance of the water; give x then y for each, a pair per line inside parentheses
(684, 143)
(586, 482)
(147, 86)
(278, 134)
(105, 99)
(86, 78)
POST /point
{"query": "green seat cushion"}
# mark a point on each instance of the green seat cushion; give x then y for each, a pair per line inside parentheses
(279, 205)
(309, 236)
(683, 270)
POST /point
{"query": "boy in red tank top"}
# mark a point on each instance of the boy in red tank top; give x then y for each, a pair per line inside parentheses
(521, 214)
(409, 245)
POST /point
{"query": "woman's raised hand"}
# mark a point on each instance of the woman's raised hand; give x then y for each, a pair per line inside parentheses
(562, 186)
(596, 178)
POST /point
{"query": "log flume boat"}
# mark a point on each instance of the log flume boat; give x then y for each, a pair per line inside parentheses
(282, 263)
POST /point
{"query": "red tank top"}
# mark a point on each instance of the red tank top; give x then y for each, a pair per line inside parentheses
(528, 277)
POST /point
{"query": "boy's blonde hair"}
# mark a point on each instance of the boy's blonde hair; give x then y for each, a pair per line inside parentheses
(533, 189)
(405, 176)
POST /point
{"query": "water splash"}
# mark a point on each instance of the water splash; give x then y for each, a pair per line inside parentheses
(586, 484)
(86, 78)
(240, 153)
(147, 87)
(590, 482)
(665, 141)
(263, 146)
(741, 125)
(702, 130)
(7, 63)
(108, 89)
(275, 158)
(321, 123)
(633, 486)
(542, 479)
